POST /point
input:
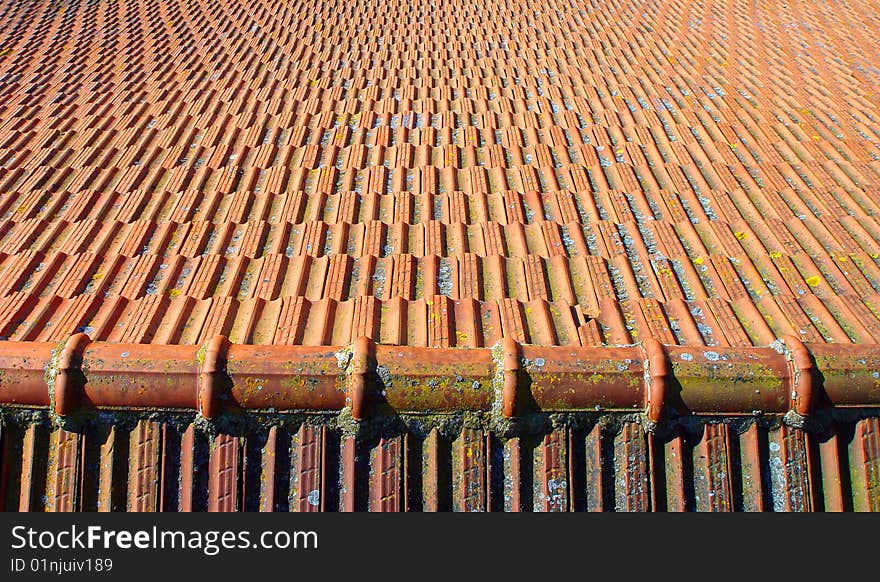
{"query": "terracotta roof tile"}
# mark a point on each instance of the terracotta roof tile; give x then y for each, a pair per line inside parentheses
(153, 466)
(456, 177)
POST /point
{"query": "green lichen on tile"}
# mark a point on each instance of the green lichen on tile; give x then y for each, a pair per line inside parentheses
(200, 355)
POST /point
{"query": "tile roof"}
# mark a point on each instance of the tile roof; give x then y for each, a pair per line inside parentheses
(588, 209)
(171, 464)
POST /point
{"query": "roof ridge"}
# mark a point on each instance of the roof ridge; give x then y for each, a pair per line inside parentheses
(508, 379)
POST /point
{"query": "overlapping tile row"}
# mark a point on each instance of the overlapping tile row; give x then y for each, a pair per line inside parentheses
(595, 465)
(438, 320)
(585, 173)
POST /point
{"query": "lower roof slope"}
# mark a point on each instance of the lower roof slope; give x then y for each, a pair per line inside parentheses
(578, 207)
(172, 464)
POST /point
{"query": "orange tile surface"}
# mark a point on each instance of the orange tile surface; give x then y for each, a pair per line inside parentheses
(442, 175)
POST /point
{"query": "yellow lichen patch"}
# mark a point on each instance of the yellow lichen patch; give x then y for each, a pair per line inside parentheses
(698, 261)
(174, 292)
(739, 234)
(775, 254)
(813, 281)
(97, 276)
